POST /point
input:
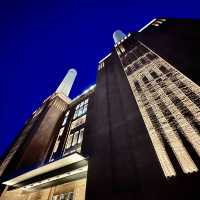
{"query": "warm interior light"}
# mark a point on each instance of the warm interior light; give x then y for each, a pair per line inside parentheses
(76, 171)
(73, 158)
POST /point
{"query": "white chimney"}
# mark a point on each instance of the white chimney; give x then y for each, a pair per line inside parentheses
(118, 36)
(66, 85)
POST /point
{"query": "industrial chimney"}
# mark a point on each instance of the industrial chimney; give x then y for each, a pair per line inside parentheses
(66, 85)
(118, 36)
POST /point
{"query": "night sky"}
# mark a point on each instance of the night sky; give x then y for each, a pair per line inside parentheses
(41, 40)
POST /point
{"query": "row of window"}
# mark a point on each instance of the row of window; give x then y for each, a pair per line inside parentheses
(153, 74)
(144, 60)
(65, 119)
(73, 137)
(81, 109)
(63, 196)
(169, 107)
(58, 140)
(174, 140)
(79, 118)
(177, 136)
(133, 54)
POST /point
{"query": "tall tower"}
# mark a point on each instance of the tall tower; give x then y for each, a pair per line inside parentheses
(170, 112)
(118, 36)
(39, 131)
(136, 135)
(147, 115)
(48, 151)
(67, 83)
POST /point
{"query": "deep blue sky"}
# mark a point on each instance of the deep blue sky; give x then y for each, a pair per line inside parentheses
(41, 40)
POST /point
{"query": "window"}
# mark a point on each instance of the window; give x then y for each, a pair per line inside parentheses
(128, 71)
(154, 74)
(78, 122)
(63, 196)
(73, 140)
(163, 69)
(121, 48)
(80, 137)
(56, 145)
(65, 119)
(145, 80)
(137, 85)
(75, 135)
(101, 65)
(61, 131)
(81, 109)
(69, 141)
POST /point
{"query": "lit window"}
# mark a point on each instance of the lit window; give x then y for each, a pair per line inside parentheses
(85, 108)
(82, 103)
(121, 48)
(56, 145)
(75, 114)
(80, 137)
(155, 24)
(78, 122)
(81, 109)
(86, 101)
(63, 196)
(65, 119)
(75, 138)
(69, 141)
(77, 107)
(61, 131)
(101, 65)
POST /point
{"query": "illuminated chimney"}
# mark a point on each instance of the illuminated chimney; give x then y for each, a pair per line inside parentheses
(66, 85)
(118, 36)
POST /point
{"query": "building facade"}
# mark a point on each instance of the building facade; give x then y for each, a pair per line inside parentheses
(134, 135)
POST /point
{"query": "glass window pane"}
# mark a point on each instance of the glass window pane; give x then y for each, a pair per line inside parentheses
(85, 109)
(64, 121)
(70, 196)
(86, 101)
(69, 141)
(67, 113)
(75, 138)
(80, 112)
(78, 106)
(61, 131)
(80, 138)
(78, 122)
(62, 197)
(82, 119)
(56, 146)
(75, 114)
(82, 103)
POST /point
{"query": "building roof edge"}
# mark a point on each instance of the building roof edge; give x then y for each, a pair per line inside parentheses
(153, 20)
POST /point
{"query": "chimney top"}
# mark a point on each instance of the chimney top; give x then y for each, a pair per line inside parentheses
(118, 35)
(67, 83)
